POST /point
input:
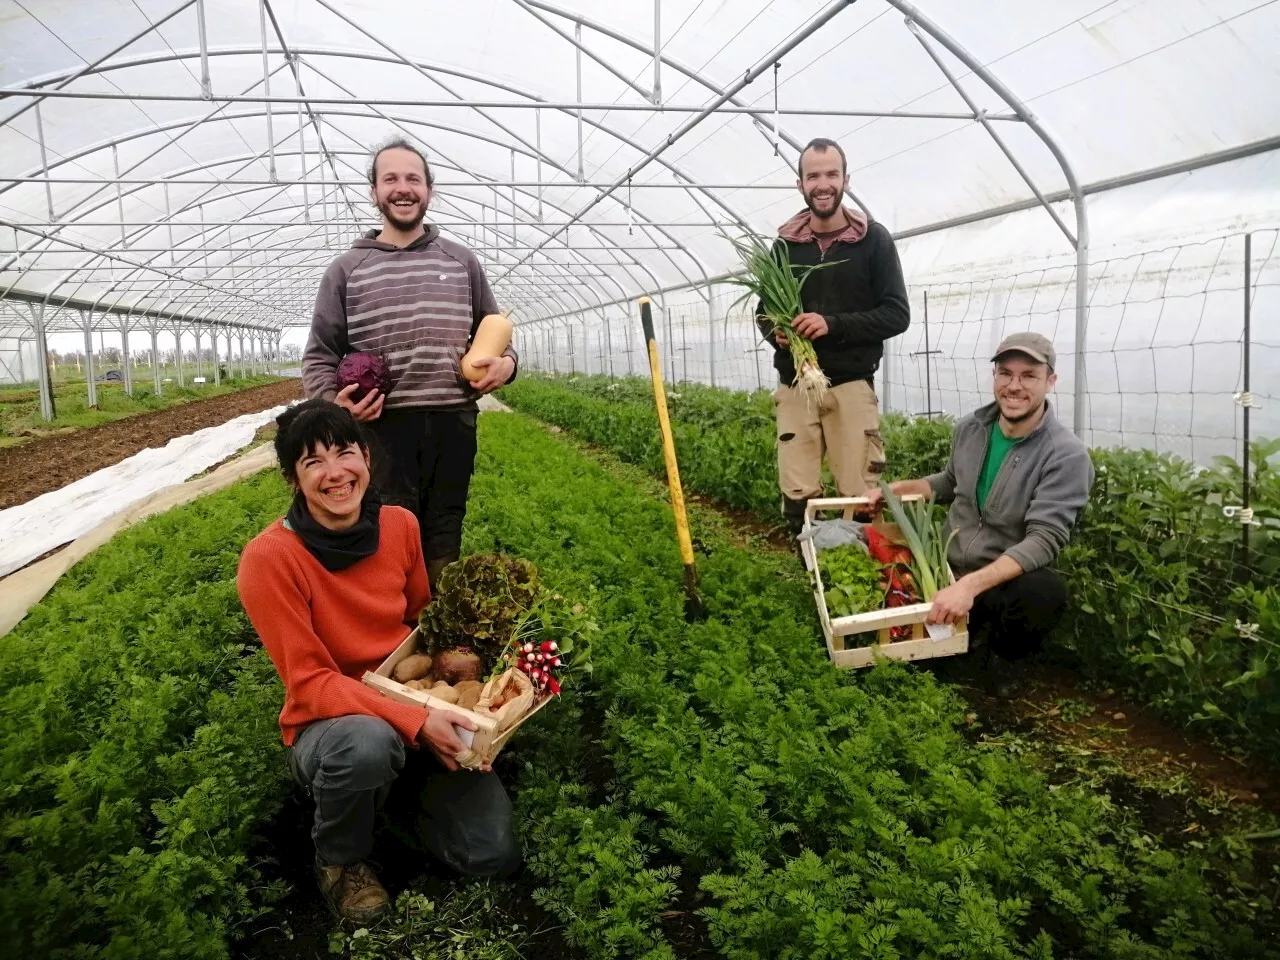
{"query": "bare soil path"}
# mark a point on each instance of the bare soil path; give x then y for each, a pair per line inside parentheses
(39, 466)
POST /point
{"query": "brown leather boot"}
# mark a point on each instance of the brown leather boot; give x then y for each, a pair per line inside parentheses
(353, 892)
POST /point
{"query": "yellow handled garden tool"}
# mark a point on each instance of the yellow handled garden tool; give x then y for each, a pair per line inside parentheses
(693, 609)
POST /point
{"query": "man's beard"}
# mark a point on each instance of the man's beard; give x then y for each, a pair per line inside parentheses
(832, 205)
(1031, 412)
(396, 218)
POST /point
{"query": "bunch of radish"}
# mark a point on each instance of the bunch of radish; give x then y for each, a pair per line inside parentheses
(539, 661)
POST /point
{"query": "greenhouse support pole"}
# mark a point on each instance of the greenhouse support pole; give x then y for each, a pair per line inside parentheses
(199, 364)
(302, 162)
(577, 34)
(155, 360)
(177, 355)
(1082, 315)
(886, 379)
(89, 67)
(1081, 240)
(657, 53)
(266, 89)
(1246, 399)
(217, 367)
(124, 358)
(813, 26)
(711, 339)
(928, 362)
(206, 84)
(684, 348)
(115, 163)
(47, 411)
(44, 163)
(91, 384)
(537, 119)
(608, 339)
(671, 353)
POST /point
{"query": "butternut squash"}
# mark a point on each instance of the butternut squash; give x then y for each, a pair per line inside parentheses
(493, 335)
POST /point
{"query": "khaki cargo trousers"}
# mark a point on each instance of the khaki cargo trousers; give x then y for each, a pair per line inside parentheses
(845, 427)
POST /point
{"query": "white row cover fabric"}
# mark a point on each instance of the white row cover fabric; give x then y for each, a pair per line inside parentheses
(1123, 86)
(34, 528)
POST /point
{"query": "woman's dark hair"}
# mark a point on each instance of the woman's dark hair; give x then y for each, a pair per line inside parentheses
(398, 143)
(311, 424)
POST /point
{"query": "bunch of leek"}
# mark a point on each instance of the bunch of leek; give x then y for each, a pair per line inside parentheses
(770, 275)
(921, 522)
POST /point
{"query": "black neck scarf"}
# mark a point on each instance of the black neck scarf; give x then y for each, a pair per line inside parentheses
(337, 549)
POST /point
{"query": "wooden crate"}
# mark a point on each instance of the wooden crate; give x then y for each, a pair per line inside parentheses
(921, 646)
(486, 741)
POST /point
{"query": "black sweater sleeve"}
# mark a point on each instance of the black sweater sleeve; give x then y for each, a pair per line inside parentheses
(892, 313)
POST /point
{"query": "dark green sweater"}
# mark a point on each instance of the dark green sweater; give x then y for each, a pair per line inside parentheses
(863, 298)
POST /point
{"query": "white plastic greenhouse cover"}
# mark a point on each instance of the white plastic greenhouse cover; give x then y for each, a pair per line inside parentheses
(215, 206)
(32, 529)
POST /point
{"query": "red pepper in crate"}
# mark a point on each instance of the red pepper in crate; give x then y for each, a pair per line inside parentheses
(901, 587)
(900, 592)
(886, 550)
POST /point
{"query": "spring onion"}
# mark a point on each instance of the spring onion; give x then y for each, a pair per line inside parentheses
(921, 525)
(770, 276)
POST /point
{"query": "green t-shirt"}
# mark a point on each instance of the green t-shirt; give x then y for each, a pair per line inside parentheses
(998, 448)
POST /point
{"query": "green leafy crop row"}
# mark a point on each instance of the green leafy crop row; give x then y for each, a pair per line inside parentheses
(139, 749)
(1158, 578)
(822, 814)
(827, 814)
(141, 759)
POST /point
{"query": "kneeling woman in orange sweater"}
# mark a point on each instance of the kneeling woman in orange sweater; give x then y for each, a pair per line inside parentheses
(332, 589)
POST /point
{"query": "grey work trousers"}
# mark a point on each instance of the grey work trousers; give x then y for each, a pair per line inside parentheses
(348, 765)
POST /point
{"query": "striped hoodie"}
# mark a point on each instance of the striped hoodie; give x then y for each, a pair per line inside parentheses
(417, 305)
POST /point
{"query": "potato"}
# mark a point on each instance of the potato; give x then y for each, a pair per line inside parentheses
(455, 665)
(415, 685)
(413, 667)
(468, 692)
(442, 691)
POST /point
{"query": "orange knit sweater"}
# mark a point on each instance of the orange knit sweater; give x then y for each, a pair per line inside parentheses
(323, 630)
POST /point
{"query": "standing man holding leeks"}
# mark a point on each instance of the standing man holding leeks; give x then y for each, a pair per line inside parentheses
(853, 300)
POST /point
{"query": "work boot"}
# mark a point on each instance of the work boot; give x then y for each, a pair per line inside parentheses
(1005, 678)
(353, 892)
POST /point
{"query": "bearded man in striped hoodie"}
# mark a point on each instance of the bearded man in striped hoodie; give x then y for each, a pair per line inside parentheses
(416, 298)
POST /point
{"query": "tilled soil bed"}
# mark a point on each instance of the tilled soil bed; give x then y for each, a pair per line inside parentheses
(30, 469)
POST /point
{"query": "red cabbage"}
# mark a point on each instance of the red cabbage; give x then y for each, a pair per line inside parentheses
(369, 371)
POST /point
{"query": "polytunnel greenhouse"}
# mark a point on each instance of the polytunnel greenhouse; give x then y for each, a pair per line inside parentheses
(788, 714)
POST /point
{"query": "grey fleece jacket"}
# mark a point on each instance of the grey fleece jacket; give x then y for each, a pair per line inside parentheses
(1035, 499)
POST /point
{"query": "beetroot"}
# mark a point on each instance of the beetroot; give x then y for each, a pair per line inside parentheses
(457, 665)
(369, 371)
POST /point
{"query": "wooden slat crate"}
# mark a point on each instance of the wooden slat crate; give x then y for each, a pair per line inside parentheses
(486, 741)
(921, 646)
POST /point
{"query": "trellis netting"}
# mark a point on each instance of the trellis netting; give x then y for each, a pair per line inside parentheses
(173, 168)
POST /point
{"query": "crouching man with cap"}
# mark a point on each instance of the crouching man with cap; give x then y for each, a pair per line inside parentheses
(1016, 482)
